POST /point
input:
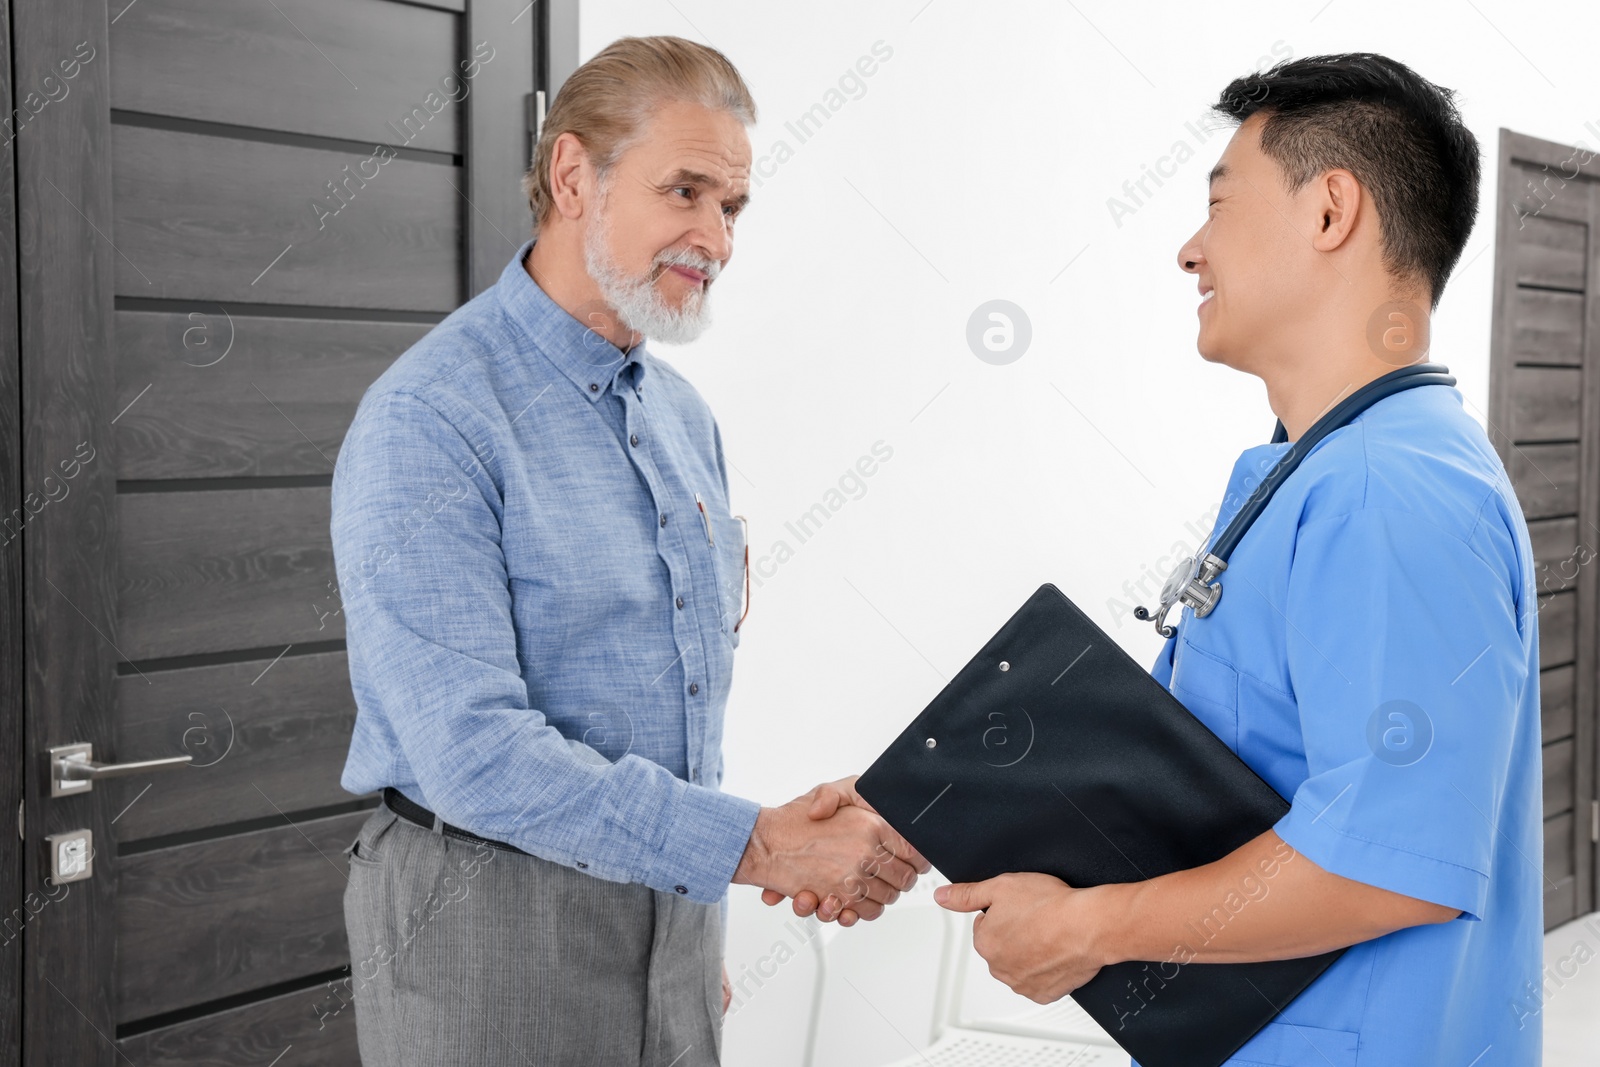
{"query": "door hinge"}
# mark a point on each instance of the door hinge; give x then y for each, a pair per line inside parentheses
(535, 102)
(1594, 821)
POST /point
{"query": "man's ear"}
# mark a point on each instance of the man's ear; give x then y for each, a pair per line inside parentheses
(571, 176)
(1340, 200)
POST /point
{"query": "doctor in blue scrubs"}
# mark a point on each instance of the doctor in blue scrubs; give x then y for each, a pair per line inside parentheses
(1374, 655)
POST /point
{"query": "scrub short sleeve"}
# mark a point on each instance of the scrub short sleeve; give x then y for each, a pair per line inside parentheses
(1408, 666)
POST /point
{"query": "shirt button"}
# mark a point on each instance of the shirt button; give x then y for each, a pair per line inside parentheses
(582, 866)
(593, 388)
(694, 687)
(680, 888)
(663, 518)
(633, 439)
(680, 603)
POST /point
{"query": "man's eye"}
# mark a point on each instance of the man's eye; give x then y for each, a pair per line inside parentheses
(686, 190)
(731, 210)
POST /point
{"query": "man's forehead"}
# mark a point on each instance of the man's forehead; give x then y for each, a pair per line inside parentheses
(1241, 152)
(690, 137)
(711, 157)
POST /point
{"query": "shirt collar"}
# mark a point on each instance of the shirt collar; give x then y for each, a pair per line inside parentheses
(588, 359)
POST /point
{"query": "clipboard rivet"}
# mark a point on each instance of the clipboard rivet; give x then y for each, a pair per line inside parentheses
(930, 742)
(1004, 665)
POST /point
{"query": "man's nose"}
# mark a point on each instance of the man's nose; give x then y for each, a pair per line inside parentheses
(1189, 256)
(715, 238)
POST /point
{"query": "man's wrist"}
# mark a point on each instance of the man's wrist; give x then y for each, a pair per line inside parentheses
(753, 864)
(1115, 929)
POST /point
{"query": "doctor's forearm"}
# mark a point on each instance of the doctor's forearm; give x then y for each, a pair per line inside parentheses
(1264, 901)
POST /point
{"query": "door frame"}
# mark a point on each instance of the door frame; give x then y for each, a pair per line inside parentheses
(65, 271)
(11, 562)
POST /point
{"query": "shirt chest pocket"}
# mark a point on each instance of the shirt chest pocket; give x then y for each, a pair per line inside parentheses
(728, 569)
(1209, 687)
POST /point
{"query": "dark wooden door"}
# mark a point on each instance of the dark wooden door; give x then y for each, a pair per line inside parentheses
(1544, 417)
(231, 216)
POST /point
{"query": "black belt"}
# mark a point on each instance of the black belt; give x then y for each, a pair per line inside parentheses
(405, 807)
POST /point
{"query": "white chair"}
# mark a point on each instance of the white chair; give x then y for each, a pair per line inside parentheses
(1050, 1035)
(903, 979)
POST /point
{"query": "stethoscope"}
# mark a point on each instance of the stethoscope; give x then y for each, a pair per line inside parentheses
(1195, 581)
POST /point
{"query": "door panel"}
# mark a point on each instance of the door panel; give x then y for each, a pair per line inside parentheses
(185, 203)
(1545, 478)
(1545, 403)
(391, 53)
(235, 930)
(287, 739)
(205, 419)
(1548, 327)
(1551, 249)
(318, 1022)
(231, 569)
(1544, 419)
(237, 218)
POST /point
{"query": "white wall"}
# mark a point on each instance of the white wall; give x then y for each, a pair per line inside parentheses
(975, 164)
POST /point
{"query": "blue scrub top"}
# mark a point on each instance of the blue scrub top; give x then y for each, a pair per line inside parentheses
(1374, 657)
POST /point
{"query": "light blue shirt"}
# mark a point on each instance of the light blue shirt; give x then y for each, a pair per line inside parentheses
(1374, 657)
(540, 618)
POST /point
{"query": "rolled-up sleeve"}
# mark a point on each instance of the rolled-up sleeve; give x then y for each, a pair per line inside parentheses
(1408, 663)
(416, 527)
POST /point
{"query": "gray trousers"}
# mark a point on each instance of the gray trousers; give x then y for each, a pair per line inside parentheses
(463, 955)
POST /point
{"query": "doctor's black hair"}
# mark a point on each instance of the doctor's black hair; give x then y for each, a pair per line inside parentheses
(1398, 133)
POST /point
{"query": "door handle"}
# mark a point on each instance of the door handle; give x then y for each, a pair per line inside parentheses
(73, 768)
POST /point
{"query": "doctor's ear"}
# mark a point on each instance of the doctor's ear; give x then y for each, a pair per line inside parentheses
(1340, 199)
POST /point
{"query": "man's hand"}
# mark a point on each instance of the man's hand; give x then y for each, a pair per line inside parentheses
(727, 990)
(824, 845)
(1044, 938)
(826, 799)
(1036, 932)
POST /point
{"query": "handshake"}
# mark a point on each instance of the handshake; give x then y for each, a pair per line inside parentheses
(831, 852)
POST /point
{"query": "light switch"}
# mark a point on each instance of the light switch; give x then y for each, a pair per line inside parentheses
(71, 856)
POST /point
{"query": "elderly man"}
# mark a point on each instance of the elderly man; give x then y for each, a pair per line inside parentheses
(542, 584)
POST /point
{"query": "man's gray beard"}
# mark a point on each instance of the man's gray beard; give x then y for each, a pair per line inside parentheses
(636, 300)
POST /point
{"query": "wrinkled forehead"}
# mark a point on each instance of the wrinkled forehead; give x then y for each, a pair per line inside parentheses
(709, 144)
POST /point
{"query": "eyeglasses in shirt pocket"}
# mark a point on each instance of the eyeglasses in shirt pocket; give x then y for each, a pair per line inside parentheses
(728, 569)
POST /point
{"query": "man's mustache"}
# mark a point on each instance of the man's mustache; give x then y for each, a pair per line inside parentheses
(685, 257)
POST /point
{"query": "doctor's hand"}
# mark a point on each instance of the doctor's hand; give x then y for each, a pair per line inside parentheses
(826, 799)
(834, 851)
(1037, 933)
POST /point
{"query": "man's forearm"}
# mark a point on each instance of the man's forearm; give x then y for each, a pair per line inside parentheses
(1264, 901)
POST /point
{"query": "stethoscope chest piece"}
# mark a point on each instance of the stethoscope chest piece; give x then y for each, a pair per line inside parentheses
(1193, 584)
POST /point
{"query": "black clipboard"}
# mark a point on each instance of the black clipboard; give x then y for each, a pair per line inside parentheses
(1053, 751)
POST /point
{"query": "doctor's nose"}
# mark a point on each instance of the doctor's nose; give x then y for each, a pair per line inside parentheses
(1190, 257)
